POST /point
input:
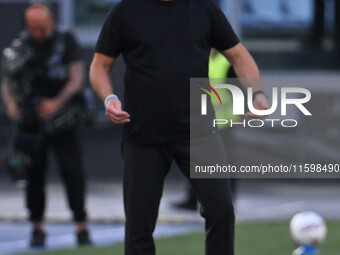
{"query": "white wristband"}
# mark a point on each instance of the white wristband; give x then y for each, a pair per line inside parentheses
(109, 97)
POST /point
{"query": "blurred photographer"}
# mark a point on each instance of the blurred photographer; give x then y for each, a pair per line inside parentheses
(41, 85)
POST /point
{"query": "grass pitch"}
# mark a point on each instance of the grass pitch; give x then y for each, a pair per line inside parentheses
(251, 239)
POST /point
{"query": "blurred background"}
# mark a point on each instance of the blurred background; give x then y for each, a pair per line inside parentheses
(294, 42)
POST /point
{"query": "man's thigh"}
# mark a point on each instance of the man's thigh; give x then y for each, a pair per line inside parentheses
(214, 193)
(145, 168)
(207, 151)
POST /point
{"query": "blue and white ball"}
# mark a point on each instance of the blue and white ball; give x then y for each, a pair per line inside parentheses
(308, 229)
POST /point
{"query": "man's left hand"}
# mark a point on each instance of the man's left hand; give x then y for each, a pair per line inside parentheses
(260, 103)
(49, 106)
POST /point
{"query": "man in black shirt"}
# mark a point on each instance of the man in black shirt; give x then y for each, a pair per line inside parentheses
(164, 44)
(43, 76)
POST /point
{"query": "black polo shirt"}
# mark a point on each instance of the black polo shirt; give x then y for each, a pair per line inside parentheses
(164, 44)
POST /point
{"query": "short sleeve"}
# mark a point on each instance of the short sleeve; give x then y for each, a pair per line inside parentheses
(110, 38)
(223, 36)
(73, 50)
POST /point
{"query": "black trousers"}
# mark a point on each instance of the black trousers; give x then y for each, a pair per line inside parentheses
(229, 147)
(318, 27)
(145, 168)
(68, 154)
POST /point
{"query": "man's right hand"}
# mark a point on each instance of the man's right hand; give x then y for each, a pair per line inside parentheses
(13, 112)
(114, 112)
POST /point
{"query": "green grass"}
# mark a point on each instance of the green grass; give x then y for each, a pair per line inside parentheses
(251, 239)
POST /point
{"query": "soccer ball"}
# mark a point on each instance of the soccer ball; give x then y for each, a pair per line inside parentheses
(308, 228)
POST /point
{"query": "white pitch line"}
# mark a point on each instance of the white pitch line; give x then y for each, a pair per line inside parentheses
(100, 236)
(8, 246)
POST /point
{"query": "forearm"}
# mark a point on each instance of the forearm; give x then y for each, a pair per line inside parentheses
(245, 67)
(74, 84)
(7, 97)
(102, 85)
(12, 108)
(101, 81)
